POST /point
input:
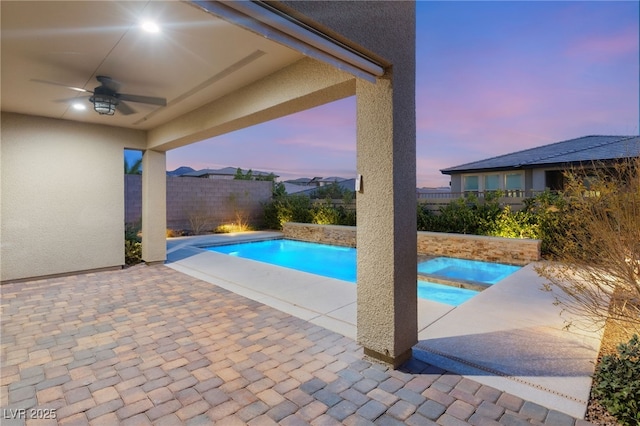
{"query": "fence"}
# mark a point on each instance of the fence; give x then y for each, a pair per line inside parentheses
(197, 204)
(350, 206)
(436, 200)
(514, 198)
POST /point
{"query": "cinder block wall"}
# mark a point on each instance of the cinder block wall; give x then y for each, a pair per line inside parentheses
(132, 198)
(491, 249)
(198, 201)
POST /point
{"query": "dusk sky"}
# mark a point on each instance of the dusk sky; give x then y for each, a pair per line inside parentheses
(491, 78)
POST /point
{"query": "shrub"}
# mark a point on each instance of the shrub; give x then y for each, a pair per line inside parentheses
(510, 224)
(427, 220)
(288, 208)
(617, 383)
(347, 216)
(597, 245)
(467, 215)
(132, 252)
(546, 210)
(325, 214)
(132, 243)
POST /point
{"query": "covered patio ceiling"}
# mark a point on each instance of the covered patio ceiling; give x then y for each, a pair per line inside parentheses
(193, 60)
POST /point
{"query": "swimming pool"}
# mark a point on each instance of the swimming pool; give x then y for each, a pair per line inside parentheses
(470, 270)
(314, 258)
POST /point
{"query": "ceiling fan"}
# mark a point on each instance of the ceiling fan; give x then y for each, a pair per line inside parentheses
(106, 99)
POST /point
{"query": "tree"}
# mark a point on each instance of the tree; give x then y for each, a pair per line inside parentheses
(134, 168)
(243, 176)
(595, 250)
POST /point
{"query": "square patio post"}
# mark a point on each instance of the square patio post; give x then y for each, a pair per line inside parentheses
(387, 252)
(154, 206)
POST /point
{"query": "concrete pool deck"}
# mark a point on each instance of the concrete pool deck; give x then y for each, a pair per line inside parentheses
(510, 337)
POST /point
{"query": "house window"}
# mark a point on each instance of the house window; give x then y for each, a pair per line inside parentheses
(471, 183)
(491, 182)
(513, 182)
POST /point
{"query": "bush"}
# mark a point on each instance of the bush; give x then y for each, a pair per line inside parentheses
(325, 214)
(596, 243)
(299, 208)
(132, 243)
(546, 210)
(287, 208)
(466, 215)
(510, 224)
(132, 252)
(617, 383)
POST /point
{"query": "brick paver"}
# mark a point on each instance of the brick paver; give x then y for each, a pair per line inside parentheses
(149, 345)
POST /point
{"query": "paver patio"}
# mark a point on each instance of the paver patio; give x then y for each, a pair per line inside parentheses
(150, 345)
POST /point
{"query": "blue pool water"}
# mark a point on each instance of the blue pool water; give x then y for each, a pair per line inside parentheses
(331, 261)
(472, 270)
(320, 259)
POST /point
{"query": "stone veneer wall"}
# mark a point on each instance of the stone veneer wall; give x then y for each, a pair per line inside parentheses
(476, 247)
(325, 234)
(210, 201)
(514, 251)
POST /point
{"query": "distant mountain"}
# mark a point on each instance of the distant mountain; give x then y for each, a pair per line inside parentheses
(180, 171)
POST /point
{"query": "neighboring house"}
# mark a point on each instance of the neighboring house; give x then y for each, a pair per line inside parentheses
(330, 180)
(224, 173)
(526, 172)
(309, 186)
(304, 181)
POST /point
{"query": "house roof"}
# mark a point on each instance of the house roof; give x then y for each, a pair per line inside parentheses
(572, 151)
(225, 171)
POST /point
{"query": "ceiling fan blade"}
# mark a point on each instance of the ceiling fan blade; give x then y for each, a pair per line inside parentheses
(142, 99)
(77, 89)
(69, 100)
(125, 109)
(108, 82)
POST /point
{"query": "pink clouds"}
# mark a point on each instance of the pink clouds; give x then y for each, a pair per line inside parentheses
(492, 78)
(318, 142)
(606, 47)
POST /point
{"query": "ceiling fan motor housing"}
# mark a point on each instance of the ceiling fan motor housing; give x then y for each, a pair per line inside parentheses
(104, 100)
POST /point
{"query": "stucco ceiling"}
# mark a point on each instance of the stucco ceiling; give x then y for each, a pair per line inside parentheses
(194, 59)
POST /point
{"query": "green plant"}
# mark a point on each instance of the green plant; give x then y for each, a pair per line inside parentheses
(132, 243)
(325, 214)
(132, 252)
(467, 215)
(333, 191)
(547, 210)
(426, 219)
(288, 208)
(510, 224)
(134, 168)
(279, 190)
(243, 176)
(617, 383)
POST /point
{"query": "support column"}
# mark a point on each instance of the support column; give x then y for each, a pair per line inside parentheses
(154, 206)
(387, 255)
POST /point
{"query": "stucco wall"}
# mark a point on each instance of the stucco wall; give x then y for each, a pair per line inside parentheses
(492, 249)
(62, 203)
(386, 147)
(215, 201)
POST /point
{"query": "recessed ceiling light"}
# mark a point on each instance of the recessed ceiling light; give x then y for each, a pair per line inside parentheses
(150, 27)
(79, 107)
